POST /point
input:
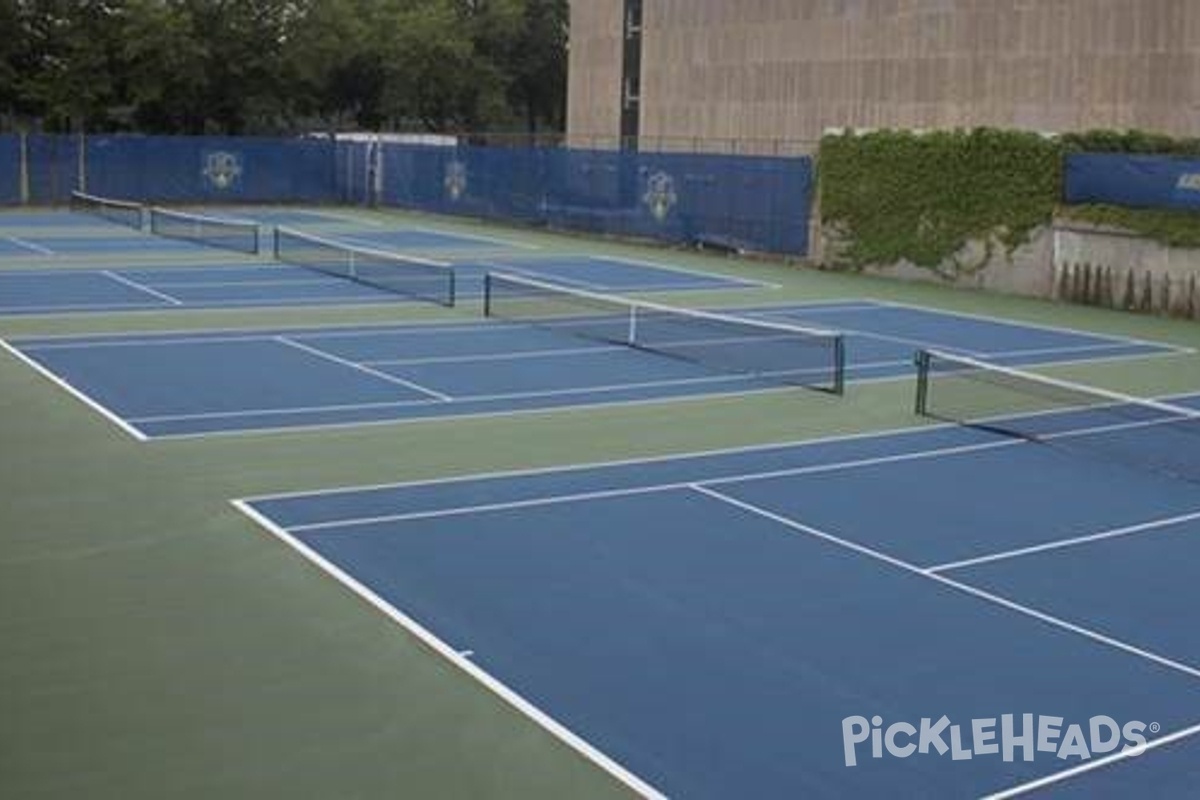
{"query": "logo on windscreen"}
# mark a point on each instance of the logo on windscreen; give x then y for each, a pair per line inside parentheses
(222, 169)
(660, 196)
(456, 180)
(1189, 181)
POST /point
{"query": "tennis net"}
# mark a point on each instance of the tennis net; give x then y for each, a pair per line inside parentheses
(1146, 434)
(419, 278)
(121, 212)
(230, 234)
(776, 352)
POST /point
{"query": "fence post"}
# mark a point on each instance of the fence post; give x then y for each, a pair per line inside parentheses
(81, 158)
(24, 168)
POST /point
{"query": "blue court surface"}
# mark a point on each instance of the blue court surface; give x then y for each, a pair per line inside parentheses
(107, 245)
(263, 283)
(63, 223)
(429, 239)
(730, 624)
(26, 236)
(186, 384)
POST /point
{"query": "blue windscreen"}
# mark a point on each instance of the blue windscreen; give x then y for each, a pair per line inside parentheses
(1139, 181)
(10, 169)
(212, 169)
(747, 202)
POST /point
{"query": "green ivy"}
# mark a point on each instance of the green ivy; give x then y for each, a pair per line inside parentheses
(891, 196)
(1173, 228)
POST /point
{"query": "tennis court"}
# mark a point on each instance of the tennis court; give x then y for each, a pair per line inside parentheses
(542, 352)
(705, 625)
(263, 284)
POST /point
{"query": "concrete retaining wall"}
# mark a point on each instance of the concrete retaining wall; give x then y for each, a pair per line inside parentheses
(1068, 261)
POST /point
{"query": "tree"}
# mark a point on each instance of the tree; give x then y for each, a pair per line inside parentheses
(332, 66)
(539, 64)
(65, 64)
(165, 64)
(238, 66)
(526, 41)
(11, 45)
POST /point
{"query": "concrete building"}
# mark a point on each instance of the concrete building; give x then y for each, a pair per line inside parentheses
(772, 75)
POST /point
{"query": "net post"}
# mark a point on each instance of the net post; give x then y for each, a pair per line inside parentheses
(631, 335)
(487, 294)
(452, 298)
(922, 359)
(275, 243)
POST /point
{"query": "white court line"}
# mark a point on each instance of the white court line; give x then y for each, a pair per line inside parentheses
(391, 241)
(1060, 544)
(712, 453)
(815, 307)
(225, 304)
(458, 659)
(78, 394)
(722, 452)
(950, 583)
(617, 387)
(351, 330)
(284, 340)
(606, 348)
(413, 327)
(160, 270)
(475, 237)
(520, 412)
(516, 356)
(1019, 323)
(1106, 344)
(254, 283)
(318, 427)
(695, 286)
(28, 245)
(68, 308)
(1082, 348)
(284, 412)
(637, 262)
(545, 275)
(141, 287)
(575, 497)
(364, 220)
(1088, 766)
(432, 327)
(747, 477)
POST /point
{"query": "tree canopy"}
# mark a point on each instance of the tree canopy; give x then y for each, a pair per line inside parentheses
(272, 66)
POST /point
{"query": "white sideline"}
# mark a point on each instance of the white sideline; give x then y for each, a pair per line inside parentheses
(141, 287)
(1112, 533)
(289, 342)
(79, 395)
(959, 586)
(458, 659)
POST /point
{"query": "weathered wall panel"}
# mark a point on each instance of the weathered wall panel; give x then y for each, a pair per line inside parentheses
(771, 70)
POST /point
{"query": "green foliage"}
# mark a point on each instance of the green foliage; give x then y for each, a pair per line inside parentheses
(1131, 141)
(892, 196)
(266, 66)
(1169, 227)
